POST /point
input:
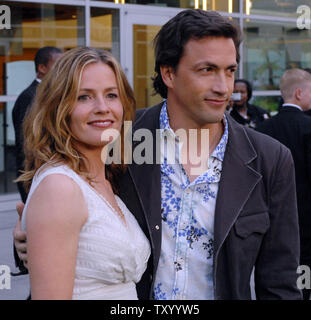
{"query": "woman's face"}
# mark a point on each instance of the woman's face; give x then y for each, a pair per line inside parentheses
(240, 87)
(98, 107)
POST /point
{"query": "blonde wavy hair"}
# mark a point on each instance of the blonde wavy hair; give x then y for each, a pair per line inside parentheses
(48, 137)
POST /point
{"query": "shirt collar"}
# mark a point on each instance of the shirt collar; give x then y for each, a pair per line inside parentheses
(291, 105)
(220, 149)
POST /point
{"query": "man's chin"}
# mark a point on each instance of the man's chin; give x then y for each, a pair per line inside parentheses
(214, 117)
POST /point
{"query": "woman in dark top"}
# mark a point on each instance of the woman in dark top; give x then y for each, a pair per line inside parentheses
(244, 112)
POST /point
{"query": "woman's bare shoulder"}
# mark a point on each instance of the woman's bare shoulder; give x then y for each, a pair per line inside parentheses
(60, 197)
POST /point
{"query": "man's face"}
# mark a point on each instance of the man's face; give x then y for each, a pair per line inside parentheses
(201, 86)
(44, 69)
(241, 88)
(305, 97)
(52, 60)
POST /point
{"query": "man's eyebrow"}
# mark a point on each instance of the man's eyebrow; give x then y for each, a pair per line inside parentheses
(235, 65)
(213, 65)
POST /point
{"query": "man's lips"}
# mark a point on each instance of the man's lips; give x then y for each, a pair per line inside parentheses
(217, 102)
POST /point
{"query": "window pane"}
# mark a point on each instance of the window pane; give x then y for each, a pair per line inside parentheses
(105, 30)
(271, 48)
(32, 26)
(35, 26)
(7, 153)
(285, 8)
(143, 36)
(270, 103)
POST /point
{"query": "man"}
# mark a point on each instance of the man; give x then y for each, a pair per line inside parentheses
(242, 111)
(308, 112)
(208, 230)
(293, 128)
(44, 60)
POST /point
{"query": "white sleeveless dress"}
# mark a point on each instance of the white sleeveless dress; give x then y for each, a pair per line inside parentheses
(111, 256)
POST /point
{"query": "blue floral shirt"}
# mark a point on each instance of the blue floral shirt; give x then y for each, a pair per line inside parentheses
(185, 269)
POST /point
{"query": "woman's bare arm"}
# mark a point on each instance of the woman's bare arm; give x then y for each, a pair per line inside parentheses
(55, 214)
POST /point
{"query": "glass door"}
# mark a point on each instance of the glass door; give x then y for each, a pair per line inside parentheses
(143, 64)
(138, 57)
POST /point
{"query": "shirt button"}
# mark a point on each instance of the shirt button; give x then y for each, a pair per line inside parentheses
(183, 225)
(157, 227)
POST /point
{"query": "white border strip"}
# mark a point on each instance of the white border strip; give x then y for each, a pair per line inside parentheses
(87, 19)
(68, 2)
(241, 51)
(7, 98)
(267, 18)
(267, 93)
(108, 5)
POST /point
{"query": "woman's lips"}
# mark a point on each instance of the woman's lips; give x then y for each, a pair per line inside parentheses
(101, 123)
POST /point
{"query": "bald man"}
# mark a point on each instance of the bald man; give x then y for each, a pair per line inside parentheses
(293, 128)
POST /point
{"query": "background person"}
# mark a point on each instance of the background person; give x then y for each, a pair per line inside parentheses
(293, 128)
(44, 60)
(308, 112)
(242, 111)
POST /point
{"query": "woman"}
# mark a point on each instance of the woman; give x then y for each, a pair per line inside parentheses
(82, 241)
(242, 111)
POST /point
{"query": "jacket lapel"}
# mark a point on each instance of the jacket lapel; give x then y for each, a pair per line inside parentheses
(147, 179)
(237, 182)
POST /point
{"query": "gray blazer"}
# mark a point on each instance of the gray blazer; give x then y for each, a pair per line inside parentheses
(256, 222)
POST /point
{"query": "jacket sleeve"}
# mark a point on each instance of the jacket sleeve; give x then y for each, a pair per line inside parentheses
(18, 114)
(276, 266)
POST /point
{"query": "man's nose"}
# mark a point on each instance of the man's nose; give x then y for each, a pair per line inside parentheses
(220, 84)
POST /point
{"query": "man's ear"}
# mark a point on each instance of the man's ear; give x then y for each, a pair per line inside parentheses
(298, 93)
(168, 75)
(42, 69)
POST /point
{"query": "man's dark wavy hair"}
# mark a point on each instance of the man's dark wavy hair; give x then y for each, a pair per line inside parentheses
(188, 24)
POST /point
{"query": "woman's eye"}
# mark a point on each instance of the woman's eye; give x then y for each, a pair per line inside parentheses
(112, 95)
(83, 97)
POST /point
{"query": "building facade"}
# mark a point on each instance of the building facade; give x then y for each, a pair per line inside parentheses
(273, 42)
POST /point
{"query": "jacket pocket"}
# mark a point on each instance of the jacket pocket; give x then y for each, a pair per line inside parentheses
(256, 223)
